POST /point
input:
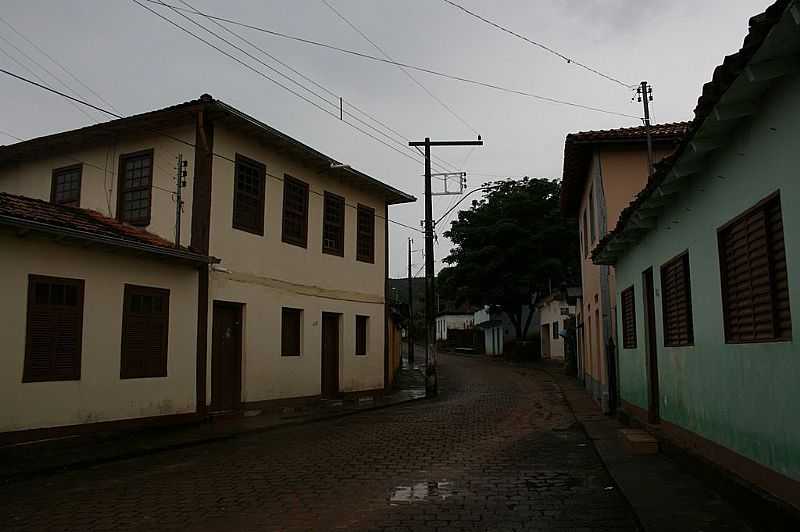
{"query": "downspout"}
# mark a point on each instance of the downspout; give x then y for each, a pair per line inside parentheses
(608, 398)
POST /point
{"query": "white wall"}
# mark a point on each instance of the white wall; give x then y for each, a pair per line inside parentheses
(452, 321)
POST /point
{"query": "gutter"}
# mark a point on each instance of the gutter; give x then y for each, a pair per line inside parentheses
(171, 253)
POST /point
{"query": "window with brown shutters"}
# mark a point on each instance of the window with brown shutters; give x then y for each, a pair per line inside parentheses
(54, 330)
(135, 187)
(365, 234)
(361, 335)
(628, 318)
(333, 225)
(248, 195)
(291, 332)
(755, 289)
(676, 302)
(295, 211)
(145, 332)
(66, 186)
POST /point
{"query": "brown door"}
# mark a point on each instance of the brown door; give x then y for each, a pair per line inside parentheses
(330, 354)
(651, 344)
(546, 340)
(226, 357)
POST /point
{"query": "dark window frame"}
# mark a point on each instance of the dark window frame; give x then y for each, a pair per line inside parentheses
(592, 228)
(668, 342)
(585, 233)
(122, 190)
(59, 172)
(29, 374)
(762, 206)
(301, 186)
(554, 330)
(338, 200)
(261, 175)
(363, 210)
(128, 365)
(298, 314)
(628, 303)
(362, 335)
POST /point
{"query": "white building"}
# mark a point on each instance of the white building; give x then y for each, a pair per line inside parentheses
(554, 312)
(458, 321)
(492, 328)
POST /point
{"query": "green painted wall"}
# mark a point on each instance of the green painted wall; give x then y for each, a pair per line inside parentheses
(743, 396)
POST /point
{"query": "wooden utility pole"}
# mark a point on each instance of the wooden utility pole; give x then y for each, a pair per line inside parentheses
(431, 384)
(410, 309)
(645, 95)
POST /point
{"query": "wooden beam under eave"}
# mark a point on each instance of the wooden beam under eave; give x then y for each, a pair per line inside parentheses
(773, 68)
(733, 111)
(702, 146)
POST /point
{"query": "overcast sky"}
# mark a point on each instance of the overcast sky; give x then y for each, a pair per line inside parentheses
(138, 62)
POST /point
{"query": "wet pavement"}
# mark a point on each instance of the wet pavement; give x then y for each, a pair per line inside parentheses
(498, 450)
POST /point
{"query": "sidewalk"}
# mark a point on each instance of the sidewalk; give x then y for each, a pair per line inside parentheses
(22, 461)
(665, 496)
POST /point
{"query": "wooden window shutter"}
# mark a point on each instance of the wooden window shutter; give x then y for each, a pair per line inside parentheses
(361, 335)
(249, 195)
(333, 225)
(291, 331)
(66, 186)
(54, 334)
(628, 318)
(365, 234)
(676, 302)
(755, 289)
(145, 332)
(135, 187)
(295, 211)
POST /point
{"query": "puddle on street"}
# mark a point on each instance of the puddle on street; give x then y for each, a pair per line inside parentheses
(420, 491)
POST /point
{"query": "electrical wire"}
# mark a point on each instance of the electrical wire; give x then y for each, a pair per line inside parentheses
(544, 47)
(406, 65)
(406, 72)
(491, 187)
(178, 140)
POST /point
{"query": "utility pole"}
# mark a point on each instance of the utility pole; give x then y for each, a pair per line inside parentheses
(410, 309)
(431, 381)
(645, 95)
(180, 182)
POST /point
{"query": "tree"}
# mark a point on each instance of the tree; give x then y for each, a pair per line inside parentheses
(510, 246)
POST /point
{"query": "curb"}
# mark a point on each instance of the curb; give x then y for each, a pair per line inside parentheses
(138, 453)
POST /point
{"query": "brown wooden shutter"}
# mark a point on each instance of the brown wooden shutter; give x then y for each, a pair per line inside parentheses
(66, 186)
(676, 302)
(754, 276)
(135, 187)
(248, 195)
(295, 211)
(361, 335)
(291, 329)
(628, 318)
(54, 329)
(365, 237)
(333, 225)
(145, 332)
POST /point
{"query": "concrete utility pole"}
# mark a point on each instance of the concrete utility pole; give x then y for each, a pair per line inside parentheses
(180, 182)
(431, 381)
(410, 309)
(645, 95)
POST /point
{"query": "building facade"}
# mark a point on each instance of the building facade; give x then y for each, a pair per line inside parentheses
(708, 262)
(453, 321)
(603, 171)
(555, 312)
(296, 306)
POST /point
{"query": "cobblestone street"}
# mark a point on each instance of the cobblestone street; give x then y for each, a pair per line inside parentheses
(498, 450)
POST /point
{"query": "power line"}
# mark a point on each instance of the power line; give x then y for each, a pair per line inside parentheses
(406, 65)
(539, 45)
(176, 139)
(406, 72)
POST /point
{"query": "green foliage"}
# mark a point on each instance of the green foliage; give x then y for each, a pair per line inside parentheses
(509, 246)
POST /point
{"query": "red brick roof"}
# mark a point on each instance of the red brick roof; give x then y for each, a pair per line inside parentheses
(578, 153)
(84, 224)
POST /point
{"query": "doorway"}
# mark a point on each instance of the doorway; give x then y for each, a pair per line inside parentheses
(651, 344)
(330, 354)
(546, 340)
(226, 357)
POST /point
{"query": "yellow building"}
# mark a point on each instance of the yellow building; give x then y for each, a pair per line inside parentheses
(296, 306)
(603, 171)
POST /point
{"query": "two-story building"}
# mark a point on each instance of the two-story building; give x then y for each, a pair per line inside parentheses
(708, 270)
(295, 306)
(603, 171)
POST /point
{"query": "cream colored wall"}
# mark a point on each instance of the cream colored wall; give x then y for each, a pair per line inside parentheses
(99, 181)
(265, 274)
(100, 394)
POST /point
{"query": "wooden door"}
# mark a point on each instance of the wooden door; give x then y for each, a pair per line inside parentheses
(546, 340)
(330, 354)
(651, 344)
(226, 357)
